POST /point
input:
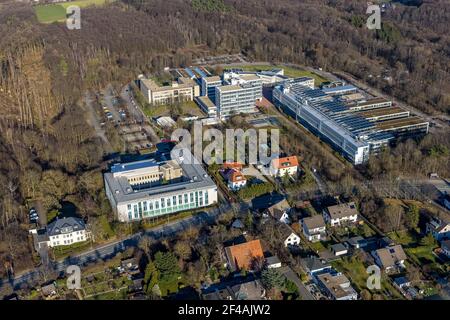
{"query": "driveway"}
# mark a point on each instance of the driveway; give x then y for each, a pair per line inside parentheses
(290, 275)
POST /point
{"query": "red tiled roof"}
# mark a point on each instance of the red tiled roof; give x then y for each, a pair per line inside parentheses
(232, 165)
(241, 256)
(236, 176)
(285, 162)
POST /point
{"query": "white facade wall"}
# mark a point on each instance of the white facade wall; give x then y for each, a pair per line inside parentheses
(126, 211)
(66, 239)
(292, 240)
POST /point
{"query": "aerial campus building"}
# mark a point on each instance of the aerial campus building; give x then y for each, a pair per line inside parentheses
(208, 86)
(158, 186)
(238, 94)
(354, 128)
(182, 89)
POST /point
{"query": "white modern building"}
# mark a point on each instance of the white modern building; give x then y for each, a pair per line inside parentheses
(180, 90)
(155, 187)
(238, 95)
(208, 87)
(316, 110)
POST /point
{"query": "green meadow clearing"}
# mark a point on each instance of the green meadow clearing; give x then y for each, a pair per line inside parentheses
(57, 12)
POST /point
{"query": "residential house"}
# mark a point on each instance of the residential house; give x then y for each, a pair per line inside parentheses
(314, 228)
(290, 238)
(235, 179)
(280, 211)
(340, 214)
(445, 247)
(130, 265)
(440, 229)
(242, 290)
(252, 290)
(281, 166)
(48, 290)
(61, 232)
(336, 286)
(390, 258)
(402, 282)
(314, 265)
(237, 224)
(232, 165)
(273, 262)
(339, 249)
(244, 255)
(357, 242)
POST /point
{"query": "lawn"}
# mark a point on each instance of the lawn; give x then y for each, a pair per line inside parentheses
(57, 12)
(420, 254)
(288, 71)
(64, 251)
(355, 270)
(50, 13)
(170, 287)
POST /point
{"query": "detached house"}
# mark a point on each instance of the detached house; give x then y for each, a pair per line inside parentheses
(236, 180)
(445, 247)
(390, 258)
(244, 255)
(61, 232)
(232, 173)
(341, 214)
(314, 228)
(336, 286)
(440, 229)
(281, 166)
(280, 211)
(290, 238)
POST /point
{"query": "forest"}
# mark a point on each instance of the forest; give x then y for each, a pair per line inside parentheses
(49, 152)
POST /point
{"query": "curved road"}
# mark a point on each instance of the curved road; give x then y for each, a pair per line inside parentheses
(109, 250)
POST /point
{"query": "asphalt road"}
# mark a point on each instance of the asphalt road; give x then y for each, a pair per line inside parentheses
(110, 250)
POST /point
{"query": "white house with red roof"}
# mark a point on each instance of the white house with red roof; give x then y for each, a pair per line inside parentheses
(232, 173)
(282, 166)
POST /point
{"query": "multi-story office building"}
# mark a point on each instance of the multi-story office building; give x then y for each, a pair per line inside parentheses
(238, 95)
(208, 87)
(353, 130)
(183, 89)
(315, 110)
(155, 187)
(207, 106)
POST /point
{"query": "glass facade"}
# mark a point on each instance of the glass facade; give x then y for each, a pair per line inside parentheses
(165, 205)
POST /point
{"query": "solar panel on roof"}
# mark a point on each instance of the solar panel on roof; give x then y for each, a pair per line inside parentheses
(189, 72)
(200, 72)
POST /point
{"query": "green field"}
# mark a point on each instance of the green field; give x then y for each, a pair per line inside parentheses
(288, 71)
(57, 12)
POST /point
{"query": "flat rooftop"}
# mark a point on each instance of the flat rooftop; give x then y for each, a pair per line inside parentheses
(249, 77)
(122, 167)
(181, 84)
(206, 101)
(194, 177)
(382, 112)
(339, 89)
(229, 88)
(373, 101)
(398, 123)
(212, 79)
